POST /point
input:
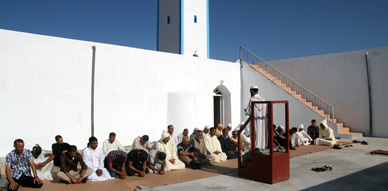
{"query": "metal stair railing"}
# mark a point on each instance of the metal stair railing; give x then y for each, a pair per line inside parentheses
(250, 58)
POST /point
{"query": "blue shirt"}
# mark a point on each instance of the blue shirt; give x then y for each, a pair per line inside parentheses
(19, 164)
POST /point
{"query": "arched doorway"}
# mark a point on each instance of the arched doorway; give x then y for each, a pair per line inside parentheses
(222, 106)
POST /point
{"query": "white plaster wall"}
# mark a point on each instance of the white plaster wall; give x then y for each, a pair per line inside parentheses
(378, 61)
(44, 90)
(298, 112)
(45, 85)
(132, 89)
(195, 34)
(341, 80)
(169, 34)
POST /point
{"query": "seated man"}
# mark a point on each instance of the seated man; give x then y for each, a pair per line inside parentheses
(226, 145)
(192, 136)
(43, 162)
(58, 149)
(294, 139)
(234, 138)
(185, 133)
(213, 147)
(199, 144)
(326, 135)
(142, 143)
(303, 137)
(94, 158)
(157, 162)
(19, 163)
(219, 130)
(229, 127)
(206, 129)
(168, 146)
(188, 154)
(313, 130)
(3, 183)
(281, 137)
(111, 144)
(69, 172)
(137, 163)
(115, 163)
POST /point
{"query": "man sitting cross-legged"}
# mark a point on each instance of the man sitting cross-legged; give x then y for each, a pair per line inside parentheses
(199, 143)
(19, 163)
(137, 163)
(188, 154)
(94, 159)
(43, 162)
(157, 162)
(69, 162)
(226, 145)
(115, 163)
(326, 135)
(168, 146)
(213, 147)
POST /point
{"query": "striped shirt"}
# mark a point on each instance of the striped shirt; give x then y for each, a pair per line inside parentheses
(19, 165)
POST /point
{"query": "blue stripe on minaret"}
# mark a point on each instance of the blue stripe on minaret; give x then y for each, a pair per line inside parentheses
(207, 28)
(157, 28)
(181, 44)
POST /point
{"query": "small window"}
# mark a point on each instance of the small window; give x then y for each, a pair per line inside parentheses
(168, 19)
(195, 18)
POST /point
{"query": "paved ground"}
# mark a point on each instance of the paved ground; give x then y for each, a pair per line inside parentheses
(353, 168)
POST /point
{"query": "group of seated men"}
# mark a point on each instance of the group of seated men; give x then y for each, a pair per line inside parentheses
(28, 168)
(322, 135)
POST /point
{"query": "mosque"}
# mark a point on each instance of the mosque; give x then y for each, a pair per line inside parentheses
(52, 85)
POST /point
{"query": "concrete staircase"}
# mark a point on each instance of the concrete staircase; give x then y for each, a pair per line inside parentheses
(343, 132)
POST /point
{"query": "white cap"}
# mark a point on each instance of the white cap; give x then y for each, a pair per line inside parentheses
(301, 126)
(196, 129)
(254, 87)
(207, 127)
(229, 125)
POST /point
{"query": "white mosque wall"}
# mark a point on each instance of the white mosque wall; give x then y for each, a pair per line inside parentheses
(298, 112)
(45, 90)
(341, 80)
(195, 34)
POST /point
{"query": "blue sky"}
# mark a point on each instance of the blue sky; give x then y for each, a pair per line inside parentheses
(273, 29)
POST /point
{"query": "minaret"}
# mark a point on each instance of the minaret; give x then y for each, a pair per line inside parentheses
(183, 27)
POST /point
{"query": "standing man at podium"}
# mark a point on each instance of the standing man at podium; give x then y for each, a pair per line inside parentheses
(260, 117)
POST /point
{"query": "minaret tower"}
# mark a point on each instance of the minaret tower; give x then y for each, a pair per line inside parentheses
(183, 27)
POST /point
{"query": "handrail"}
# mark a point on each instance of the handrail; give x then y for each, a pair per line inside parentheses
(250, 58)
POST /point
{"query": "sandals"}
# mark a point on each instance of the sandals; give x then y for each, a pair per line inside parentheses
(364, 143)
(322, 169)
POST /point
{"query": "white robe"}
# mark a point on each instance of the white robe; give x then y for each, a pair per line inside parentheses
(107, 146)
(212, 145)
(47, 171)
(174, 137)
(171, 153)
(261, 127)
(324, 136)
(94, 159)
(303, 138)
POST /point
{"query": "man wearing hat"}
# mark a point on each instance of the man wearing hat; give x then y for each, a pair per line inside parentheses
(206, 130)
(142, 143)
(192, 136)
(326, 135)
(260, 117)
(43, 163)
(168, 146)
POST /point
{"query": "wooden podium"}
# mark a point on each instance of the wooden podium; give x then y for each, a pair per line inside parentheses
(271, 167)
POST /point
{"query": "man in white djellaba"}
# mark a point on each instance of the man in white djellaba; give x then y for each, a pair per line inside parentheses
(260, 117)
(94, 158)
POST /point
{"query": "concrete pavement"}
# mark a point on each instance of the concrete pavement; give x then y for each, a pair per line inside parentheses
(353, 168)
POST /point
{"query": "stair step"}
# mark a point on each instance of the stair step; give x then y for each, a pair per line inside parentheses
(343, 130)
(351, 135)
(340, 125)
